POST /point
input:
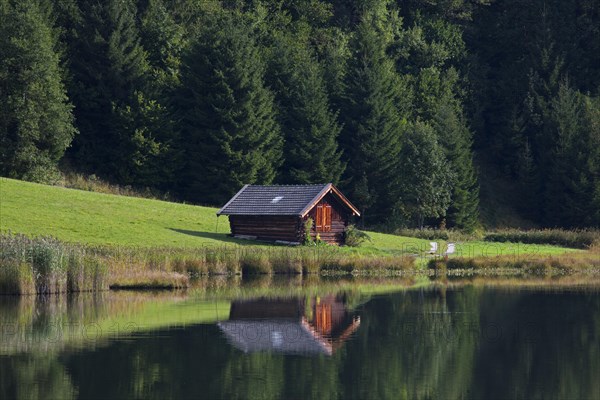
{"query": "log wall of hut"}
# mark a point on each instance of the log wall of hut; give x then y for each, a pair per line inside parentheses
(266, 227)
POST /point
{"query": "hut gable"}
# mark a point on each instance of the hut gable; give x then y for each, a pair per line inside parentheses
(278, 212)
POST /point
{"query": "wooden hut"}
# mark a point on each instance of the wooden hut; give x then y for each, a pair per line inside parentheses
(280, 212)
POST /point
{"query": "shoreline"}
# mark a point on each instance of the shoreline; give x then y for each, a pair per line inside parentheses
(43, 265)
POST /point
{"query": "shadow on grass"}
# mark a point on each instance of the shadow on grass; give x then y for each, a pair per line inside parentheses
(223, 237)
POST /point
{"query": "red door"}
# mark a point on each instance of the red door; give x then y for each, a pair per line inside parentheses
(323, 217)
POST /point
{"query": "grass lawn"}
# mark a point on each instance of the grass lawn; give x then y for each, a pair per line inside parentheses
(94, 218)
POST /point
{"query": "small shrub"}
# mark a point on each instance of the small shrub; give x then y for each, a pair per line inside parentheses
(308, 224)
(355, 237)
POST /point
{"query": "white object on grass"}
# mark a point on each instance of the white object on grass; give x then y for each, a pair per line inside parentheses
(450, 249)
(433, 249)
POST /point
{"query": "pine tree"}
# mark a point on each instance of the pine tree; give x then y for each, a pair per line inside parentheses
(36, 121)
(374, 122)
(108, 66)
(426, 186)
(230, 136)
(310, 129)
(528, 179)
(427, 52)
(572, 174)
(593, 146)
(164, 40)
(455, 139)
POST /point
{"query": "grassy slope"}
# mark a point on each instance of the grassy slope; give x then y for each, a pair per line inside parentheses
(95, 218)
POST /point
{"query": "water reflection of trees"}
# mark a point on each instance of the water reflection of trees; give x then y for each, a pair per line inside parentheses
(469, 342)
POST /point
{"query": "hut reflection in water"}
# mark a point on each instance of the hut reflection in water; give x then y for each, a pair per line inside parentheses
(311, 326)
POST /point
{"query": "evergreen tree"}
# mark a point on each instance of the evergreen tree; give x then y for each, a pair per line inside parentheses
(374, 119)
(573, 173)
(593, 146)
(108, 66)
(427, 52)
(310, 129)
(528, 177)
(455, 138)
(426, 185)
(36, 121)
(163, 39)
(230, 136)
(126, 130)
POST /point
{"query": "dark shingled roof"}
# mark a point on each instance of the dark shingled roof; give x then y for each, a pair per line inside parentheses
(272, 200)
(281, 200)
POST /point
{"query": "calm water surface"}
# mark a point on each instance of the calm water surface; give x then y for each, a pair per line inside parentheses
(326, 341)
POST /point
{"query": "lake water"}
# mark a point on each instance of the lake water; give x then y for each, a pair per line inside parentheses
(293, 339)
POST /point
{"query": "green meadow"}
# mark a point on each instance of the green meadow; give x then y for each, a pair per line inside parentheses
(82, 217)
(55, 240)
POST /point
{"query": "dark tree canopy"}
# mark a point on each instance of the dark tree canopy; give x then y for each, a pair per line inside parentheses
(197, 98)
(374, 121)
(36, 120)
(230, 135)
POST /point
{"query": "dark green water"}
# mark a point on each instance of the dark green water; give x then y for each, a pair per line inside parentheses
(418, 343)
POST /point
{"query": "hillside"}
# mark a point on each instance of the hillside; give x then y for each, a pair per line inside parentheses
(104, 219)
(96, 218)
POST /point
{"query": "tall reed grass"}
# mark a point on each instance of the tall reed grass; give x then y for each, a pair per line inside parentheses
(565, 264)
(45, 265)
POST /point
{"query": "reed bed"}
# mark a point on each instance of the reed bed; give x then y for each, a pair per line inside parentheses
(45, 265)
(567, 264)
(577, 239)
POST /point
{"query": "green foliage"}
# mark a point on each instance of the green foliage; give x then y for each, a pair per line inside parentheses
(309, 127)
(199, 97)
(572, 175)
(374, 121)
(531, 113)
(229, 133)
(308, 225)
(163, 39)
(578, 239)
(154, 158)
(36, 120)
(427, 181)
(355, 237)
(45, 265)
(126, 131)
(454, 136)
